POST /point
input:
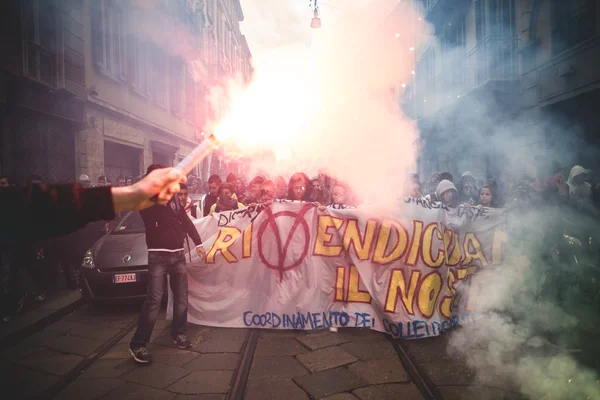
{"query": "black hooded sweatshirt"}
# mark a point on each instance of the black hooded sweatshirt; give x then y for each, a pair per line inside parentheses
(167, 225)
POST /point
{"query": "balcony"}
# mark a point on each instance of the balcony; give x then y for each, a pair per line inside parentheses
(492, 62)
(491, 67)
(440, 12)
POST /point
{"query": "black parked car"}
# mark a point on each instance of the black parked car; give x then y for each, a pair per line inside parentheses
(116, 267)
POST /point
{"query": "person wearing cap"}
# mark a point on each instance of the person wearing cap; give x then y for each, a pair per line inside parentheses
(580, 191)
(467, 189)
(84, 181)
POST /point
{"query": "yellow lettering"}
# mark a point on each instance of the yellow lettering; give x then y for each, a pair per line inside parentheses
(428, 244)
(354, 293)
(428, 294)
(225, 239)
(247, 242)
(398, 288)
(323, 245)
(362, 246)
(383, 240)
(471, 242)
(446, 307)
(339, 283)
(452, 258)
(413, 253)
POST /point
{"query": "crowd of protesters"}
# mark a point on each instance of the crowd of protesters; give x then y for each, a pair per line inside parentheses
(233, 193)
(43, 258)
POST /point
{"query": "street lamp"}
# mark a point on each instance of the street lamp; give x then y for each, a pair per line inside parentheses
(315, 23)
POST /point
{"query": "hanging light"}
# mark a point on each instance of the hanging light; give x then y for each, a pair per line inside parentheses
(315, 23)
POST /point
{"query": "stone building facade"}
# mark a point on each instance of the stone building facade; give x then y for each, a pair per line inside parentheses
(519, 69)
(108, 87)
(148, 73)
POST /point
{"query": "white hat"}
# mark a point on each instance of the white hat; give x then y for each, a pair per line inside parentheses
(84, 178)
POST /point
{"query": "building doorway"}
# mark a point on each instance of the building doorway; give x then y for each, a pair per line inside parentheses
(121, 161)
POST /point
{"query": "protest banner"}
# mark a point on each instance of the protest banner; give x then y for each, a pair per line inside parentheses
(294, 266)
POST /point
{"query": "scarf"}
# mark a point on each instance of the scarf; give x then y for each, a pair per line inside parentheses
(226, 204)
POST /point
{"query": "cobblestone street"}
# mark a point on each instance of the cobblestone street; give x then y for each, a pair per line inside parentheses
(85, 355)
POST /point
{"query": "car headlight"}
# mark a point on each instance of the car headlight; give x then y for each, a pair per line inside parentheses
(573, 241)
(88, 260)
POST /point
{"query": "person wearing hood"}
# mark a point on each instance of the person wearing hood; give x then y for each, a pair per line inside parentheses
(468, 192)
(580, 191)
(226, 200)
(433, 182)
(447, 194)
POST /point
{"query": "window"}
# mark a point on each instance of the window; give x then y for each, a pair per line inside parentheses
(190, 98)
(177, 88)
(40, 41)
(157, 75)
(574, 21)
(132, 223)
(108, 38)
(141, 64)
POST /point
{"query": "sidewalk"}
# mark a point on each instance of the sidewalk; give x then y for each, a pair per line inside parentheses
(59, 299)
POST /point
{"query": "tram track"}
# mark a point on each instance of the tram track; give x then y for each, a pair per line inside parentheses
(417, 375)
(20, 336)
(87, 362)
(240, 377)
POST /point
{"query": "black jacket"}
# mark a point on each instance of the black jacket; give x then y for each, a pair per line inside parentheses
(167, 225)
(208, 200)
(40, 212)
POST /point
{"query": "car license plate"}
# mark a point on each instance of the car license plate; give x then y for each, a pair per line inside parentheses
(124, 278)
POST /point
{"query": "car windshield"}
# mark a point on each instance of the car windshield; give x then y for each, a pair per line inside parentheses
(131, 223)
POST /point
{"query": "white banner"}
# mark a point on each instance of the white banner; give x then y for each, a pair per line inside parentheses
(293, 266)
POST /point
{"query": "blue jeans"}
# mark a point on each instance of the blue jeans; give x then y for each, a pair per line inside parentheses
(159, 266)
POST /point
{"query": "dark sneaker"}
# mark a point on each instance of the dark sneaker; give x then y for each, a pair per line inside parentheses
(41, 296)
(140, 355)
(182, 342)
